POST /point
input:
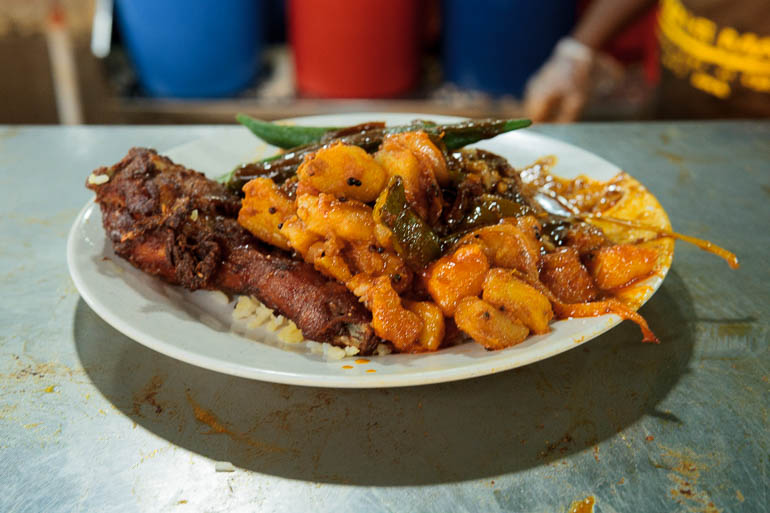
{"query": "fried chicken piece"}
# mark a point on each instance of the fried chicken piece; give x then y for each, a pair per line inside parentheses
(176, 224)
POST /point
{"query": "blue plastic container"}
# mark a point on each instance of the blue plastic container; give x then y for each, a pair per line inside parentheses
(192, 48)
(495, 45)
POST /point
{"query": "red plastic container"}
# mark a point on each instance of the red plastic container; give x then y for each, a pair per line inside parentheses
(355, 48)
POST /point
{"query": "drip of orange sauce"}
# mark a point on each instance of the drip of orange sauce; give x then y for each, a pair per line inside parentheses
(607, 306)
(362, 361)
(347, 366)
(728, 256)
(370, 370)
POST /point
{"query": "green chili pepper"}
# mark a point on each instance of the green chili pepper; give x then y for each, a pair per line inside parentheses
(453, 136)
(490, 209)
(413, 239)
(468, 132)
(283, 136)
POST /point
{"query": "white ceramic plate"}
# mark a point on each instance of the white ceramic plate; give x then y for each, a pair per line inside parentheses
(194, 327)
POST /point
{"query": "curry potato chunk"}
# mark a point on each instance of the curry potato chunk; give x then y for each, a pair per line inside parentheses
(327, 216)
(326, 257)
(518, 299)
(433, 328)
(343, 171)
(299, 238)
(429, 156)
(507, 245)
(374, 260)
(615, 266)
(457, 275)
(566, 277)
(487, 325)
(390, 319)
(264, 209)
(421, 166)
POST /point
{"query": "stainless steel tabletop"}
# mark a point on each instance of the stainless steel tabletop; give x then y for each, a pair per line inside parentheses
(92, 421)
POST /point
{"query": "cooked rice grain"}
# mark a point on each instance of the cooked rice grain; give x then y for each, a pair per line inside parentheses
(249, 311)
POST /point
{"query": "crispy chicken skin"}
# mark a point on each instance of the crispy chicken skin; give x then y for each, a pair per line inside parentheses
(174, 223)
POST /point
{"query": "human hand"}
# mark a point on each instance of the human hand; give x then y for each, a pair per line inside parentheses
(559, 90)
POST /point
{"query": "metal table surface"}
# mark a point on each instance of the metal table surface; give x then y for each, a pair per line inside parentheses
(92, 421)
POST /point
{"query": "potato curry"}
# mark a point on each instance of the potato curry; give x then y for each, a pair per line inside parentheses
(435, 240)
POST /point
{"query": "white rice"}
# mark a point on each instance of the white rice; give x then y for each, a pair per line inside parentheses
(250, 313)
(223, 466)
(95, 179)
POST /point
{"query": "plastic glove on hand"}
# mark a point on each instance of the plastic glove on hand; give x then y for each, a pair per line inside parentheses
(560, 88)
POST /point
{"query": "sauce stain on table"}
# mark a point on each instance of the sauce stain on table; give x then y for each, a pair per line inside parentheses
(583, 506)
(148, 396)
(208, 418)
(685, 468)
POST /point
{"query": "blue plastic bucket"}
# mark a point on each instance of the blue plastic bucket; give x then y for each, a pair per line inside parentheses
(495, 45)
(192, 48)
